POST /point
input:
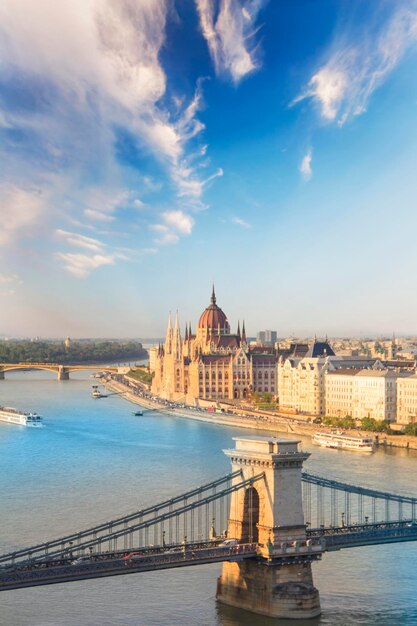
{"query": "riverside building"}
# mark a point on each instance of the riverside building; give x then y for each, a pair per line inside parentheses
(366, 393)
(407, 400)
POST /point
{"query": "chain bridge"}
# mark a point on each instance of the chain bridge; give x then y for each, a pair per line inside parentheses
(267, 522)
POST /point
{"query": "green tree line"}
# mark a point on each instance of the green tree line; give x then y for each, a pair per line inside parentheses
(78, 352)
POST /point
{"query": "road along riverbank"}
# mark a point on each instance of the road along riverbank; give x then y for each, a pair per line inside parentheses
(276, 424)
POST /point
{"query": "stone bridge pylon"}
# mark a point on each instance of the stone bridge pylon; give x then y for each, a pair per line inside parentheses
(279, 583)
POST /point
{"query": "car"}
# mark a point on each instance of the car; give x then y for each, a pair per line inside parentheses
(85, 558)
(228, 543)
(132, 555)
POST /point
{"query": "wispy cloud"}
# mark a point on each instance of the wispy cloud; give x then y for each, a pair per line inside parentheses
(81, 265)
(7, 279)
(95, 69)
(81, 241)
(305, 165)
(239, 222)
(174, 224)
(343, 85)
(21, 207)
(229, 28)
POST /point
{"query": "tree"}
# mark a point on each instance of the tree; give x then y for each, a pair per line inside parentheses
(411, 429)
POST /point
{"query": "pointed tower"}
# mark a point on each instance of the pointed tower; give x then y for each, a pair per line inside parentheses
(168, 338)
(213, 296)
(243, 333)
(238, 330)
(176, 340)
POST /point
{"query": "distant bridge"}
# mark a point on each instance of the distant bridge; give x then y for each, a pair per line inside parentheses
(62, 371)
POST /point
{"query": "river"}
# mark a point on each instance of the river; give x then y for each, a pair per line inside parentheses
(94, 460)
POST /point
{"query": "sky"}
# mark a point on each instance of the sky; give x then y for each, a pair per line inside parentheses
(151, 148)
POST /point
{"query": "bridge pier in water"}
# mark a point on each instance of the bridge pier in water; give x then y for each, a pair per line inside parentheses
(1, 374)
(63, 373)
(278, 584)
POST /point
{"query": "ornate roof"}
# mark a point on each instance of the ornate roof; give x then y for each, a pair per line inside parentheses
(213, 317)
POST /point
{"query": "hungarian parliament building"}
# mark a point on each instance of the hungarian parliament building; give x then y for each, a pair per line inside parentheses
(214, 364)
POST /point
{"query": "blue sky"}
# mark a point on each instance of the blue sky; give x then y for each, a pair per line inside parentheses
(151, 147)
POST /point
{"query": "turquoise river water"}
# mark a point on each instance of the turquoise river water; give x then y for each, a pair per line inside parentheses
(94, 460)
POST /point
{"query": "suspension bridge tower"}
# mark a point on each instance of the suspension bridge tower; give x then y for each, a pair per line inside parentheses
(279, 583)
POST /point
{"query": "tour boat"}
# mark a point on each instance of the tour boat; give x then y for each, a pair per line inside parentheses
(138, 413)
(342, 441)
(13, 416)
(96, 393)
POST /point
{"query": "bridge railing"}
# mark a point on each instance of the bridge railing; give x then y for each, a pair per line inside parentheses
(332, 503)
(190, 515)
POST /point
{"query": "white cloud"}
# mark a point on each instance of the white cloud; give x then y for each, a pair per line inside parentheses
(81, 265)
(305, 165)
(8, 278)
(95, 66)
(180, 221)
(81, 241)
(20, 208)
(175, 223)
(343, 85)
(94, 215)
(229, 27)
(239, 222)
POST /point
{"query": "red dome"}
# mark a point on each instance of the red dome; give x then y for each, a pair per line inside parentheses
(213, 316)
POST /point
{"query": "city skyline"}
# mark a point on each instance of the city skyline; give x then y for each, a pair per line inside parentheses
(149, 149)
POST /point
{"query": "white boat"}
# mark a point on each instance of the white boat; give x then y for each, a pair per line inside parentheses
(342, 441)
(13, 416)
(96, 393)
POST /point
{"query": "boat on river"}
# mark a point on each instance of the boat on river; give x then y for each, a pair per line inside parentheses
(96, 393)
(20, 418)
(138, 413)
(340, 440)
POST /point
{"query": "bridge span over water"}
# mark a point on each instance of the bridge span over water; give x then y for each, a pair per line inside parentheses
(62, 371)
(279, 520)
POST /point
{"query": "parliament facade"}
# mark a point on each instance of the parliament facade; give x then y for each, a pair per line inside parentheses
(212, 364)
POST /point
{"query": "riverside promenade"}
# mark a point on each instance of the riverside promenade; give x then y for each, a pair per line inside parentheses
(261, 421)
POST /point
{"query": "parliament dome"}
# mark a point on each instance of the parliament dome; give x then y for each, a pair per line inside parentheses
(213, 317)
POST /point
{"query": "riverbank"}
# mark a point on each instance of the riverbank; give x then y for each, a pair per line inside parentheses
(264, 422)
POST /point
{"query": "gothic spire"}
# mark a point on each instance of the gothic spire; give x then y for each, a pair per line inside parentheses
(176, 345)
(243, 332)
(168, 339)
(238, 329)
(213, 296)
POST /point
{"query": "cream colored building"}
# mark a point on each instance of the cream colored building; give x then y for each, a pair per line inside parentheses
(339, 392)
(364, 393)
(375, 394)
(407, 399)
(301, 380)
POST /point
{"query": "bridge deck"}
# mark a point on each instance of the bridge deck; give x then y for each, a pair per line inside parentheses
(365, 535)
(49, 574)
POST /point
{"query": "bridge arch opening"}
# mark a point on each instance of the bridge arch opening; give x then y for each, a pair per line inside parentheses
(250, 516)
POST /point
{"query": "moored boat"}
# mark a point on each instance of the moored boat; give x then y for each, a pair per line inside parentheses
(343, 441)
